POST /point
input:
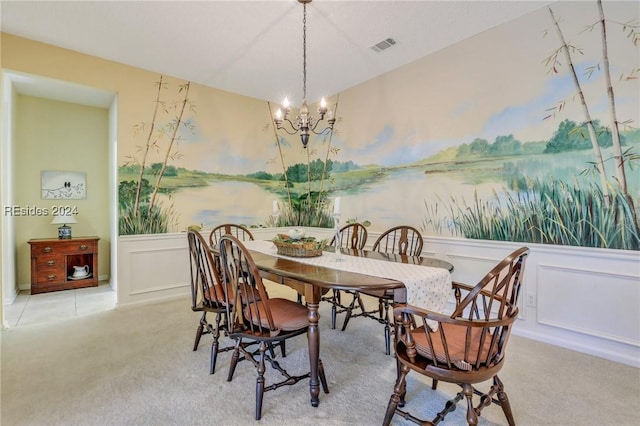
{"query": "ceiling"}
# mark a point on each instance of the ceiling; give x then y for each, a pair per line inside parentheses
(254, 48)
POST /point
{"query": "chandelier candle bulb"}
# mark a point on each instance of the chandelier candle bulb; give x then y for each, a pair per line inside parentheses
(275, 206)
(323, 108)
(336, 205)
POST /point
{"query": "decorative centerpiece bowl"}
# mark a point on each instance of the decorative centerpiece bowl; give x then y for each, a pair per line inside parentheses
(297, 245)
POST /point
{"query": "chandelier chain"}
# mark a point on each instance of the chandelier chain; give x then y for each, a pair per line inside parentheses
(304, 52)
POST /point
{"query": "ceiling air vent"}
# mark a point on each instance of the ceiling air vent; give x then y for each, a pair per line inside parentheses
(382, 45)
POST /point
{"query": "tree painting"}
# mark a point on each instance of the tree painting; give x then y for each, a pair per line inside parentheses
(534, 140)
(140, 210)
(601, 213)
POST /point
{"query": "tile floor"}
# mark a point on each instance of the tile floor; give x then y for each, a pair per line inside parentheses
(30, 309)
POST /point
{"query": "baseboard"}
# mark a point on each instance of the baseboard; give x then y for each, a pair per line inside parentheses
(597, 349)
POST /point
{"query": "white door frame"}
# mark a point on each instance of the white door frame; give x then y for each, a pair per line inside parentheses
(14, 83)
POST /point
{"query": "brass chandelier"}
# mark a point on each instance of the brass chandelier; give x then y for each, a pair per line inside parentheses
(304, 122)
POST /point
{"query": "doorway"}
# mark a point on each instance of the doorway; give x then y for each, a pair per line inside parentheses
(17, 86)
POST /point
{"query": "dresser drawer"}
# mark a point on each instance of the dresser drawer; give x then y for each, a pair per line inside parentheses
(51, 276)
(71, 247)
(49, 262)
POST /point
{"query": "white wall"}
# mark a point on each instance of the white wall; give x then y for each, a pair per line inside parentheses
(581, 299)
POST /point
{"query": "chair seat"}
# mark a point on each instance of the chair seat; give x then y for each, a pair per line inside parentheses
(456, 342)
(214, 297)
(287, 315)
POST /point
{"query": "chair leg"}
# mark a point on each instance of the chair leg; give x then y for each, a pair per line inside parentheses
(334, 310)
(395, 398)
(388, 323)
(387, 338)
(235, 357)
(200, 330)
(350, 308)
(260, 381)
(215, 345)
(323, 378)
(403, 386)
(334, 314)
(283, 348)
(360, 302)
(214, 356)
(504, 401)
(472, 417)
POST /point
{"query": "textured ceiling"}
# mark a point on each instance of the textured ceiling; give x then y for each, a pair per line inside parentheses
(255, 47)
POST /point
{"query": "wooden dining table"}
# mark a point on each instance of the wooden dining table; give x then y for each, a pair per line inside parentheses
(312, 281)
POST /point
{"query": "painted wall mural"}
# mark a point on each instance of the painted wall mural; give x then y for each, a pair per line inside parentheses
(527, 132)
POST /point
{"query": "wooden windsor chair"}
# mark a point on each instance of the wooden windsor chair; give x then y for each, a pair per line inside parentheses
(206, 295)
(467, 347)
(255, 317)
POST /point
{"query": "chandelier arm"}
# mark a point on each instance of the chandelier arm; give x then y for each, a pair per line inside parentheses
(329, 128)
(293, 130)
(314, 125)
(288, 131)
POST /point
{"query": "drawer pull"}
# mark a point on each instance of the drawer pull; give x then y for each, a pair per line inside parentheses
(47, 249)
(51, 262)
(50, 276)
(84, 247)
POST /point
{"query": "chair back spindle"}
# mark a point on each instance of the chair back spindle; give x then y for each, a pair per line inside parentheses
(239, 231)
(352, 236)
(402, 239)
(205, 284)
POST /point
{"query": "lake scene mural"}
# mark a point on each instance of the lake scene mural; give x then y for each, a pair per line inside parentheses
(534, 140)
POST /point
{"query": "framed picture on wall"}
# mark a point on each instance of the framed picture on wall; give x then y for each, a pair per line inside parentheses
(63, 185)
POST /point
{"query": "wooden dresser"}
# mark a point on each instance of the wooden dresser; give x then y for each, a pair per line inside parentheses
(52, 262)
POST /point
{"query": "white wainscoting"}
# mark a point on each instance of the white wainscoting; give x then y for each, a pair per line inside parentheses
(582, 299)
(152, 268)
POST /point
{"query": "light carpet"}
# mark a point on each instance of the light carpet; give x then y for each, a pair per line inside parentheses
(136, 367)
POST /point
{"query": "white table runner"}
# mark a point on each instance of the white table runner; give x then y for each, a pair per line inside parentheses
(427, 287)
